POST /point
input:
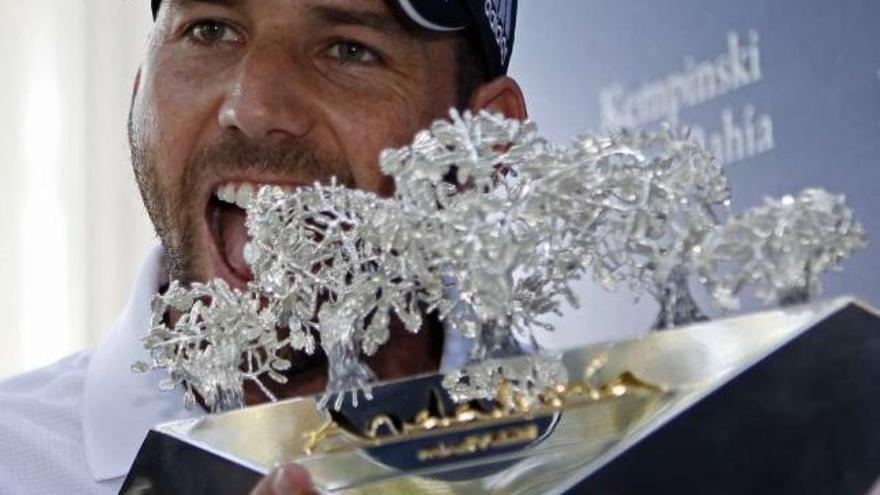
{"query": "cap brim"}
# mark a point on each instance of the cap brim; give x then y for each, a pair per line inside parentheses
(436, 15)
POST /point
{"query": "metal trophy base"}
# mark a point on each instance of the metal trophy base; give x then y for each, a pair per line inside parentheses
(784, 401)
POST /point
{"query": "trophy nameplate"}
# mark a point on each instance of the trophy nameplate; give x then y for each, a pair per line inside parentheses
(784, 399)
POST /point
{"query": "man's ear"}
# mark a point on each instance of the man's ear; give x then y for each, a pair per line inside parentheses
(500, 95)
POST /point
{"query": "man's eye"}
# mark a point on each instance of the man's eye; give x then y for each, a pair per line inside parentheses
(211, 32)
(351, 51)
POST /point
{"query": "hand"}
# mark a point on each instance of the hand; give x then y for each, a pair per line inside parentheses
(290, 479)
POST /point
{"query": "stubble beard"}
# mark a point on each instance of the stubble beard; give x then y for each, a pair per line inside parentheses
(176, 232)
(177, 210)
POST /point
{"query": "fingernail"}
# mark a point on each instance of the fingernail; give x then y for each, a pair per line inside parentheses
(290, 480)
(283, 484)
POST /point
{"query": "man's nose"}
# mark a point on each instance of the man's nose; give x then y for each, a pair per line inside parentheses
(267, 100)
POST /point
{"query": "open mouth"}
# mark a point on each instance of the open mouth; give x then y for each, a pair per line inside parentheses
(226, 214)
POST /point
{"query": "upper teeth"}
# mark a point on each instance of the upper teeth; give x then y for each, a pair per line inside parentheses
(240, 193)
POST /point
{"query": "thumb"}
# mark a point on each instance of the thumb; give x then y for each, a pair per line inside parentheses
(289, 479)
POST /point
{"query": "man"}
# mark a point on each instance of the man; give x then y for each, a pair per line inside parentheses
(234, 94)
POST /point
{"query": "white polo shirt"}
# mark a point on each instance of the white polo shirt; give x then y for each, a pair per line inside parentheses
(75, 427)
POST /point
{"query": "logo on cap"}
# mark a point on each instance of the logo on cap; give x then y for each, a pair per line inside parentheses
(499, 14)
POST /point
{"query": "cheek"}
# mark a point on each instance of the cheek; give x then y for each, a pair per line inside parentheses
(171, 110)
(390, 131)
(363, 131)
(146, 145)
(366, 125)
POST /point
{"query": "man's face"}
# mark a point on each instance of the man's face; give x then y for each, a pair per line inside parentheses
(238, 93)
(235, 93)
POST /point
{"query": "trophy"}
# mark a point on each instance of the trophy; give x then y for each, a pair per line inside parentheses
(488, 227)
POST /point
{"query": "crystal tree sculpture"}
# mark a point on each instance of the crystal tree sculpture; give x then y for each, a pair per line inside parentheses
(458, 184)
(527, 377)
(468, 223)
(646, 202)
(213, 347)
(488, 227)
(319, 253)
(780, 248)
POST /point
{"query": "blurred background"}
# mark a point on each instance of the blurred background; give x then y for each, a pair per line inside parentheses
(786, 93)
(73, 228)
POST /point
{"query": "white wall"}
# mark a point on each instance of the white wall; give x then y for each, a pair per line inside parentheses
(72, 225)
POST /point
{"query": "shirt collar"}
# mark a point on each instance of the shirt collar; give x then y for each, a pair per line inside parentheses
(120, 406)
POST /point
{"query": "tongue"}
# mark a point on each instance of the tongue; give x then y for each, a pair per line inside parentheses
(233, 235)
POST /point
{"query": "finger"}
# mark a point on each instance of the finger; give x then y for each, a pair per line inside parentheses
(264, 487)
(292, 479)
(289, 479)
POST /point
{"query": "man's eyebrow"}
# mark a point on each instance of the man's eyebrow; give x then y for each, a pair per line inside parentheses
(379, 21)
